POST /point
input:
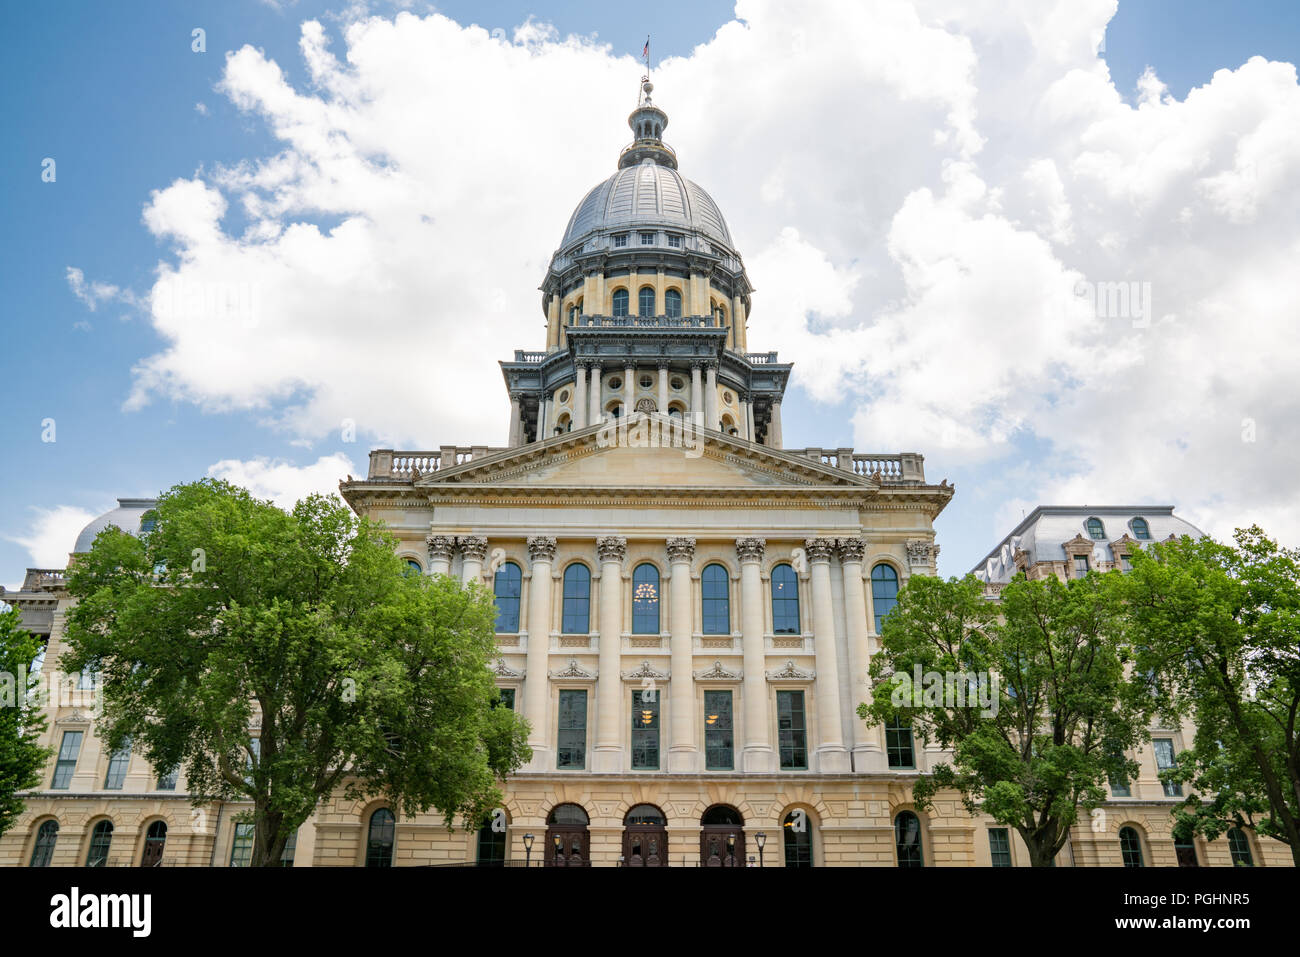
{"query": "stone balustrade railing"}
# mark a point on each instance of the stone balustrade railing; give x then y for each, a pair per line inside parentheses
(893, 469)
(387, 463)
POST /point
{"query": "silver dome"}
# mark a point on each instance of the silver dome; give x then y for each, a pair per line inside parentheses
(126, 516)
(648, 194)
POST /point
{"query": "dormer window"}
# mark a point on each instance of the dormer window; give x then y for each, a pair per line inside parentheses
(647, 239)
(1096, 530)
(620, 241)
(1141, 529)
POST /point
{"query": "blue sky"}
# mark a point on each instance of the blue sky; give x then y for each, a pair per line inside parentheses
(109, 91)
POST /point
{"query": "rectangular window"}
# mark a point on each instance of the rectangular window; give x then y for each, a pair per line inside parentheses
(899, 744)
(286, 857)
(620, 241)
(117, 766)
(647, 239)
(645, 730)
(1125, 563)
(167, 780)
(674, 241)
(571, 748)
(67, 762)
(241, 851)
(1080, 565)
(1164, 748)
(719, 746)
(999, 847)
(88, 679)
(1119, 788)
(792, 730)
(505, 698)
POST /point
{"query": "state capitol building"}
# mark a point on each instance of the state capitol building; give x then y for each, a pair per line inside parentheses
(686, 606)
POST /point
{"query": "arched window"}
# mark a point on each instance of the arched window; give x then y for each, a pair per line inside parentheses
(798, 839)
(884, 591)
(620, 302)
(577, 600)
(785, 601)
(100, 840)
(645, 814)
(43, 851)
(1130, 847)
(507, 586)
(413, 568)
(1141, 529)
(567, 840)
(645, 600)
(491, 846)
(673, 304)
(907, 838)
(1239, 848)
(155, 841)
(379, 839)
(716, 605)
(573, 314)
(645, 301)
(1185, 851)
(1096, 530)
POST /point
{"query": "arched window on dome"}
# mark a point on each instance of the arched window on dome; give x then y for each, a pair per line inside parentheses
(673, 304)
(620, 302)
(645, 301)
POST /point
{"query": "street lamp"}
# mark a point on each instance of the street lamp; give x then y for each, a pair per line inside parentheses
(761, 838)
(528, 849)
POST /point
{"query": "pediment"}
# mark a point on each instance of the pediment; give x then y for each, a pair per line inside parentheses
(641, 454)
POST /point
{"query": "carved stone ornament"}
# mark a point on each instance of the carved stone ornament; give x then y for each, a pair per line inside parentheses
(850, 549)
(645, 671)
(819, 549)
(612, 548)
(441, 547)
(573, 672)
(541, 548)
(919, 552)
(790, 673)
(646, 405)
(718, 673)
(751, 549)
(681, 549)
(473, 547)
(503, 670)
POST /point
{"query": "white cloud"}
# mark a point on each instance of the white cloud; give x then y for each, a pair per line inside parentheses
(920, 189)
(284, 483)
(93, 293)
(52, 533)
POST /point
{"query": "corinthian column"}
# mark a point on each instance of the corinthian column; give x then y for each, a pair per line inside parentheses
(758, 754)
(516, 421)
(711, 396)
(593, 396)
(541, 552)
(608, 753)
(580, 397)
(684, 753)
(441, 548)
(473, 549)
(832, 756)
(866, 746)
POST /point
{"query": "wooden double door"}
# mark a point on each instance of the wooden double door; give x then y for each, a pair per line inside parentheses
(567, 847)
(645, 845)
(722, 845)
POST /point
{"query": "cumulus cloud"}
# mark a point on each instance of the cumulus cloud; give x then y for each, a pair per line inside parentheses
(282, 482)
(94, 293)
(51, 533)
(938, 203)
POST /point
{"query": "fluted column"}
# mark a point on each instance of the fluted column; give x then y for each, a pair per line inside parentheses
(663, 389)
(866, 746)
(749, 418)
(515, 419)
(580, 397)
(684, 751)
(473, 549)
(537, 692)
(608, 753)
(629, 390)
(593, 412)
(758, 754)
(441, 548)
(832, 756)
(697, 395)
(774, 437)
(544, 417)
(711, 396)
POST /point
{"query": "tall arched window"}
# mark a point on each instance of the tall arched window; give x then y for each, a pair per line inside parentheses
(507, 585)
(46, 837)
(645, 301)
(491, 846)
(716, 605)
(907, 837)
(1130, 847)
(673, 304)
(798, 839)
(1141, 529)
(1096, 530)
(155, 842)
(101, 838)
(785, 601)
(379, 839)
(1239, 848)
(645, 600)
(577, 600)
(884, 591)
(620, 302)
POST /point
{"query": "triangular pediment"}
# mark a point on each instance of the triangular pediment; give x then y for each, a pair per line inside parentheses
(644, 453)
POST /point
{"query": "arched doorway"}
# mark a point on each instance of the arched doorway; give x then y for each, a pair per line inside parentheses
(567, 841)
(155, 841)
(722, 837)
(645, 837)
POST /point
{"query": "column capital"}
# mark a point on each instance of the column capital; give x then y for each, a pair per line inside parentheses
(698, 363)
(441, 547)
(751, 549)
(681, 550)
(819, 549)
(473, 547)
(516, 396)
(850, 549)
(541, 548)
(612, 548)
(662, 363)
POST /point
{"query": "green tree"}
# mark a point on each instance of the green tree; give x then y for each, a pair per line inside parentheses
(1028, 694)
(1220, 628)
(22, 722)
(277, 656)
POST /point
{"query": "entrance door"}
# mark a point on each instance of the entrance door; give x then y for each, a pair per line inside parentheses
(155, 840)
(645, 837)
(567, 841)
(722, 837)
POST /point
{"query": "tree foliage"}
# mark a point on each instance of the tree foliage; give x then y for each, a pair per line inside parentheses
(22, 722)
(278, 656)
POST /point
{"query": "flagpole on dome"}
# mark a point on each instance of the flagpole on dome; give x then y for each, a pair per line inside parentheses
(644, 91)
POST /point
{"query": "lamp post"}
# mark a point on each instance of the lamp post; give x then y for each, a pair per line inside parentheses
(528, 849)
(761, 838)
